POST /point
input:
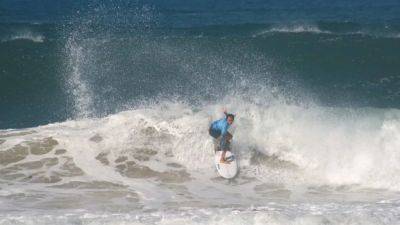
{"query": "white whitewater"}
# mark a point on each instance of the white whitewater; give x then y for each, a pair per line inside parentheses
(154, 165)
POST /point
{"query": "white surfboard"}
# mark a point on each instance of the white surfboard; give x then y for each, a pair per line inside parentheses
(226, 170)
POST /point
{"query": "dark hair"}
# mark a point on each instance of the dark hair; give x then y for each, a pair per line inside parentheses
(230, 115)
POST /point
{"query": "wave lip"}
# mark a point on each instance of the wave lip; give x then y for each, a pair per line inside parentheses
(325, 29)
(293, 29)
(298, 29)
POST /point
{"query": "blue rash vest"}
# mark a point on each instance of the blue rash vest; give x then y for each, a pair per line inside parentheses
(221, 127)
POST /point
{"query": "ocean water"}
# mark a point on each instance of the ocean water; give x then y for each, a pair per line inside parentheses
(105, 107)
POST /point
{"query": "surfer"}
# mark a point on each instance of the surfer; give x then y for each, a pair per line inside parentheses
(219, 129)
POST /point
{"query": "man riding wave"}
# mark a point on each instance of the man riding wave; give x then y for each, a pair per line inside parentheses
(219, 129)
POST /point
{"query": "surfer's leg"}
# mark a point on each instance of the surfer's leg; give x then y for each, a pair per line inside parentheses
(229, 137)
(222, 160)
(226, 147)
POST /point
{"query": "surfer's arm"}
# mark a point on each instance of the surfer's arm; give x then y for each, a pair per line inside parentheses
(225, 112)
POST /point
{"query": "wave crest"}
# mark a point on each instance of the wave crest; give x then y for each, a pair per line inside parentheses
(25, 35)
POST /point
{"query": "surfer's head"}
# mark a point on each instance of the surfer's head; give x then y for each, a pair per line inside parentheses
(230, 118)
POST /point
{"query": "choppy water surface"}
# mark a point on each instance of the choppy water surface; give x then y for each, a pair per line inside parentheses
(105, 107)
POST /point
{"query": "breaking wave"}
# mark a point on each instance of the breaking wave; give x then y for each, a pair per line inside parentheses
(25, 35)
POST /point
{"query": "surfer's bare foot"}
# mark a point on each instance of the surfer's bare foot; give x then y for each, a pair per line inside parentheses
(223, 161)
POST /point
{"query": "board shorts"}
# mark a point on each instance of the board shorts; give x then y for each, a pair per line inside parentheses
(216, 134)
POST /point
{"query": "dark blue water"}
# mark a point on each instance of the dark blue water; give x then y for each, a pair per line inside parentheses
(64, 60)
